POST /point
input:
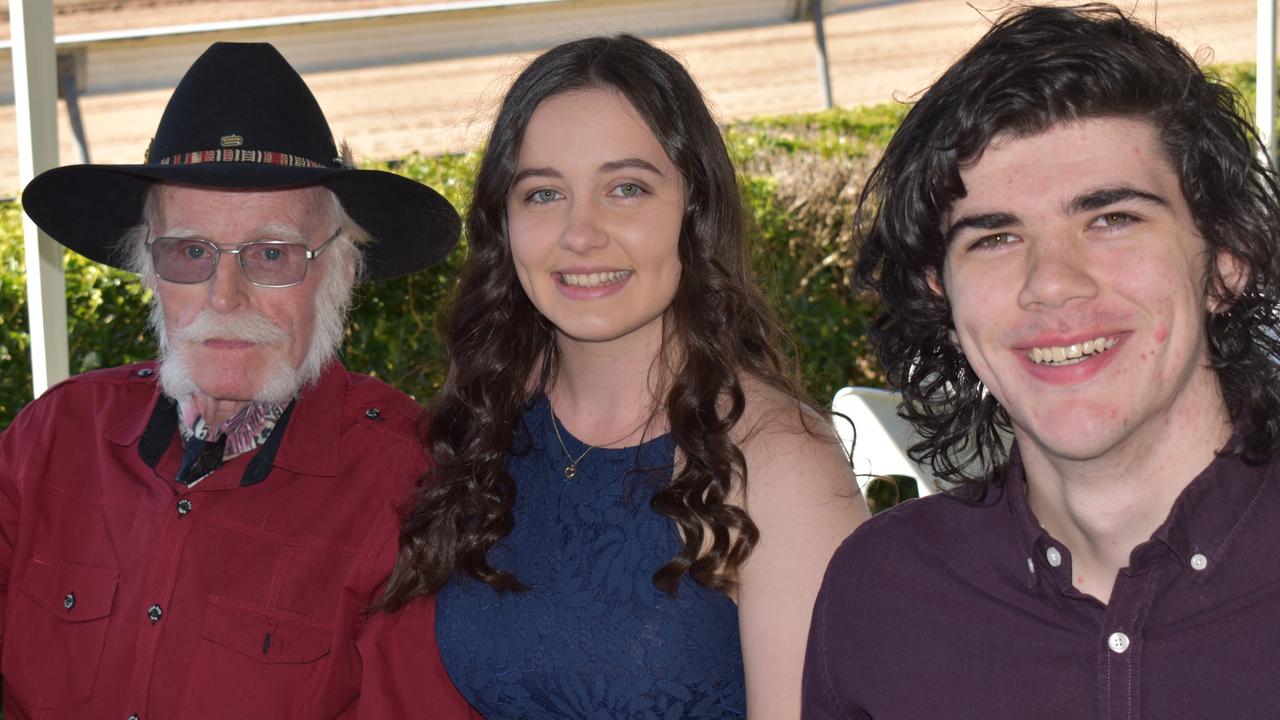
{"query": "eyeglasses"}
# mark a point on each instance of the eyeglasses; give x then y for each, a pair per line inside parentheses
(266, 263)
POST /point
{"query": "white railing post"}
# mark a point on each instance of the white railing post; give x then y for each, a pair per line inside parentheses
(35, 87)
(1266, 84)
(824, 64)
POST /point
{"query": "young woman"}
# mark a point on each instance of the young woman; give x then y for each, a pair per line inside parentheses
(631, 508)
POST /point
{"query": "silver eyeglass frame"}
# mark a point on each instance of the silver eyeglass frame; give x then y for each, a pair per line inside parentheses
(308, 253)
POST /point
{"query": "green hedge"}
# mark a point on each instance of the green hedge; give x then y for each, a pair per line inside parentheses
(799, 176)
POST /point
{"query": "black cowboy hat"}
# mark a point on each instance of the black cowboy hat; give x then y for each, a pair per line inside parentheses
(243, 118)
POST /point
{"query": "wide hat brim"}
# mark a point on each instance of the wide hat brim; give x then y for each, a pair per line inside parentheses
(88, 208)
(242, 118)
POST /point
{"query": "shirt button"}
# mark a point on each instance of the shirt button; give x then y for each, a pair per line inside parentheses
(1031, 566)
(69, 601)
(373, 413)
(1053, 556)
(154, 612)
(184, 507)
(133, 716)
(1199, 562)
(146, 372)
(1118, 642)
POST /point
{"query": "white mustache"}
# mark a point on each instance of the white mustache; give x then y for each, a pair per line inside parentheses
(244, 327)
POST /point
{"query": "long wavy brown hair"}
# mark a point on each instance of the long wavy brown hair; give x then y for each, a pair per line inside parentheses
(719, 321)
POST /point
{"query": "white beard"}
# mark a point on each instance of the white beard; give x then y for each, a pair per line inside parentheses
(280, 382)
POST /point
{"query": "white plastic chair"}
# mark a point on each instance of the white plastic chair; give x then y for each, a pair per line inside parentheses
(882, 437)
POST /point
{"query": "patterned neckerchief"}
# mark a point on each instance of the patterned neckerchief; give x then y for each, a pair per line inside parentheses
(245, 431)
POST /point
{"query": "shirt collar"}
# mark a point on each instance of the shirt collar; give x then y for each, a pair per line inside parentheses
(313, 423)
(1031, 535)
(1203, 521)
(158, 434)
(1208, 513)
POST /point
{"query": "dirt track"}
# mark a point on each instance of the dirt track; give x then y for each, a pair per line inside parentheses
(876, 54)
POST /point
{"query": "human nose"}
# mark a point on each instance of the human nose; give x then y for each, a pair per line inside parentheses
(1057, 273)
(228, 288)
(584, 229)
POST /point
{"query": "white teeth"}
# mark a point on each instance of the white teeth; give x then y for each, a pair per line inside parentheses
(1059, 355)
(595, 279)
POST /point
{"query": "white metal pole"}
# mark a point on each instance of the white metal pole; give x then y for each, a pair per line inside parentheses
(1266, 85)
(35, 99)
(824, 64)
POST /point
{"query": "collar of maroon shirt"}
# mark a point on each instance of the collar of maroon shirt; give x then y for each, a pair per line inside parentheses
(1203, 521)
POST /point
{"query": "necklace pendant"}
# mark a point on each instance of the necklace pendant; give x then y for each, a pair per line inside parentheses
(570, 470)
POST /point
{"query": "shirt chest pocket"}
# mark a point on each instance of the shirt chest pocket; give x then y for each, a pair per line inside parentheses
(53, 650)
(269, 656)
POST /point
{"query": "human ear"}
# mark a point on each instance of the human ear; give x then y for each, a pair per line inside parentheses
(1230, 278)
(933, 276)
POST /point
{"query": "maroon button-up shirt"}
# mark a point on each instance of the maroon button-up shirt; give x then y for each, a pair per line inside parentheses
(941, 609)
(126, 593)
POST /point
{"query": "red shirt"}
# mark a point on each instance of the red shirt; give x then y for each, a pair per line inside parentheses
(126, 594)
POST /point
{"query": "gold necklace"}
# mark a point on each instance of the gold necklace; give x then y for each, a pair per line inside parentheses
(571, 469)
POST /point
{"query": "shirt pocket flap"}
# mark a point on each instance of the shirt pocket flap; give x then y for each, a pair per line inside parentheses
(264, 634)
(77, 593)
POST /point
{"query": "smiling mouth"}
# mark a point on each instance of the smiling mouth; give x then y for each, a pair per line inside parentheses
(1062, 355)
(595, 279)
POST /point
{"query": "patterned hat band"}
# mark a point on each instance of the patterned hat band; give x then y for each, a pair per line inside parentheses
(240, 155)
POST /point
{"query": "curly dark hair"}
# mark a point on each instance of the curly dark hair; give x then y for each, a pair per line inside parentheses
(1036, 67)
(719, 321)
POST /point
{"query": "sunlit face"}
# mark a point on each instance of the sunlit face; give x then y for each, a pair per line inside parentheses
(228, 340)
(594, 219)
(1076, 279)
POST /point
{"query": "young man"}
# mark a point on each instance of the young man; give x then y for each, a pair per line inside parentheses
(1074, 239)
(200, 537)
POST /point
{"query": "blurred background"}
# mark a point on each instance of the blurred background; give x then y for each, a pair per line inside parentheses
(808, 92)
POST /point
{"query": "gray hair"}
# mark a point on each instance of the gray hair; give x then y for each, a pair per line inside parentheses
(333, 299)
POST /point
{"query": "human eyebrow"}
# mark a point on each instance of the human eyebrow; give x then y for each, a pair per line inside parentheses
(982, 221)
(280, 231)
(179, 232)
(1105, 197)
(542, 172)
(629, 163)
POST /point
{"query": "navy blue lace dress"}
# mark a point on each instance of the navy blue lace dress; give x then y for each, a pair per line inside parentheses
(591, 637)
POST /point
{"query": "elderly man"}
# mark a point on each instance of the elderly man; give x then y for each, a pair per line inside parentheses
(198, 537)
(1074, 237)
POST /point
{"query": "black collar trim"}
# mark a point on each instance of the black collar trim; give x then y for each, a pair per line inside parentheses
(163, 425)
